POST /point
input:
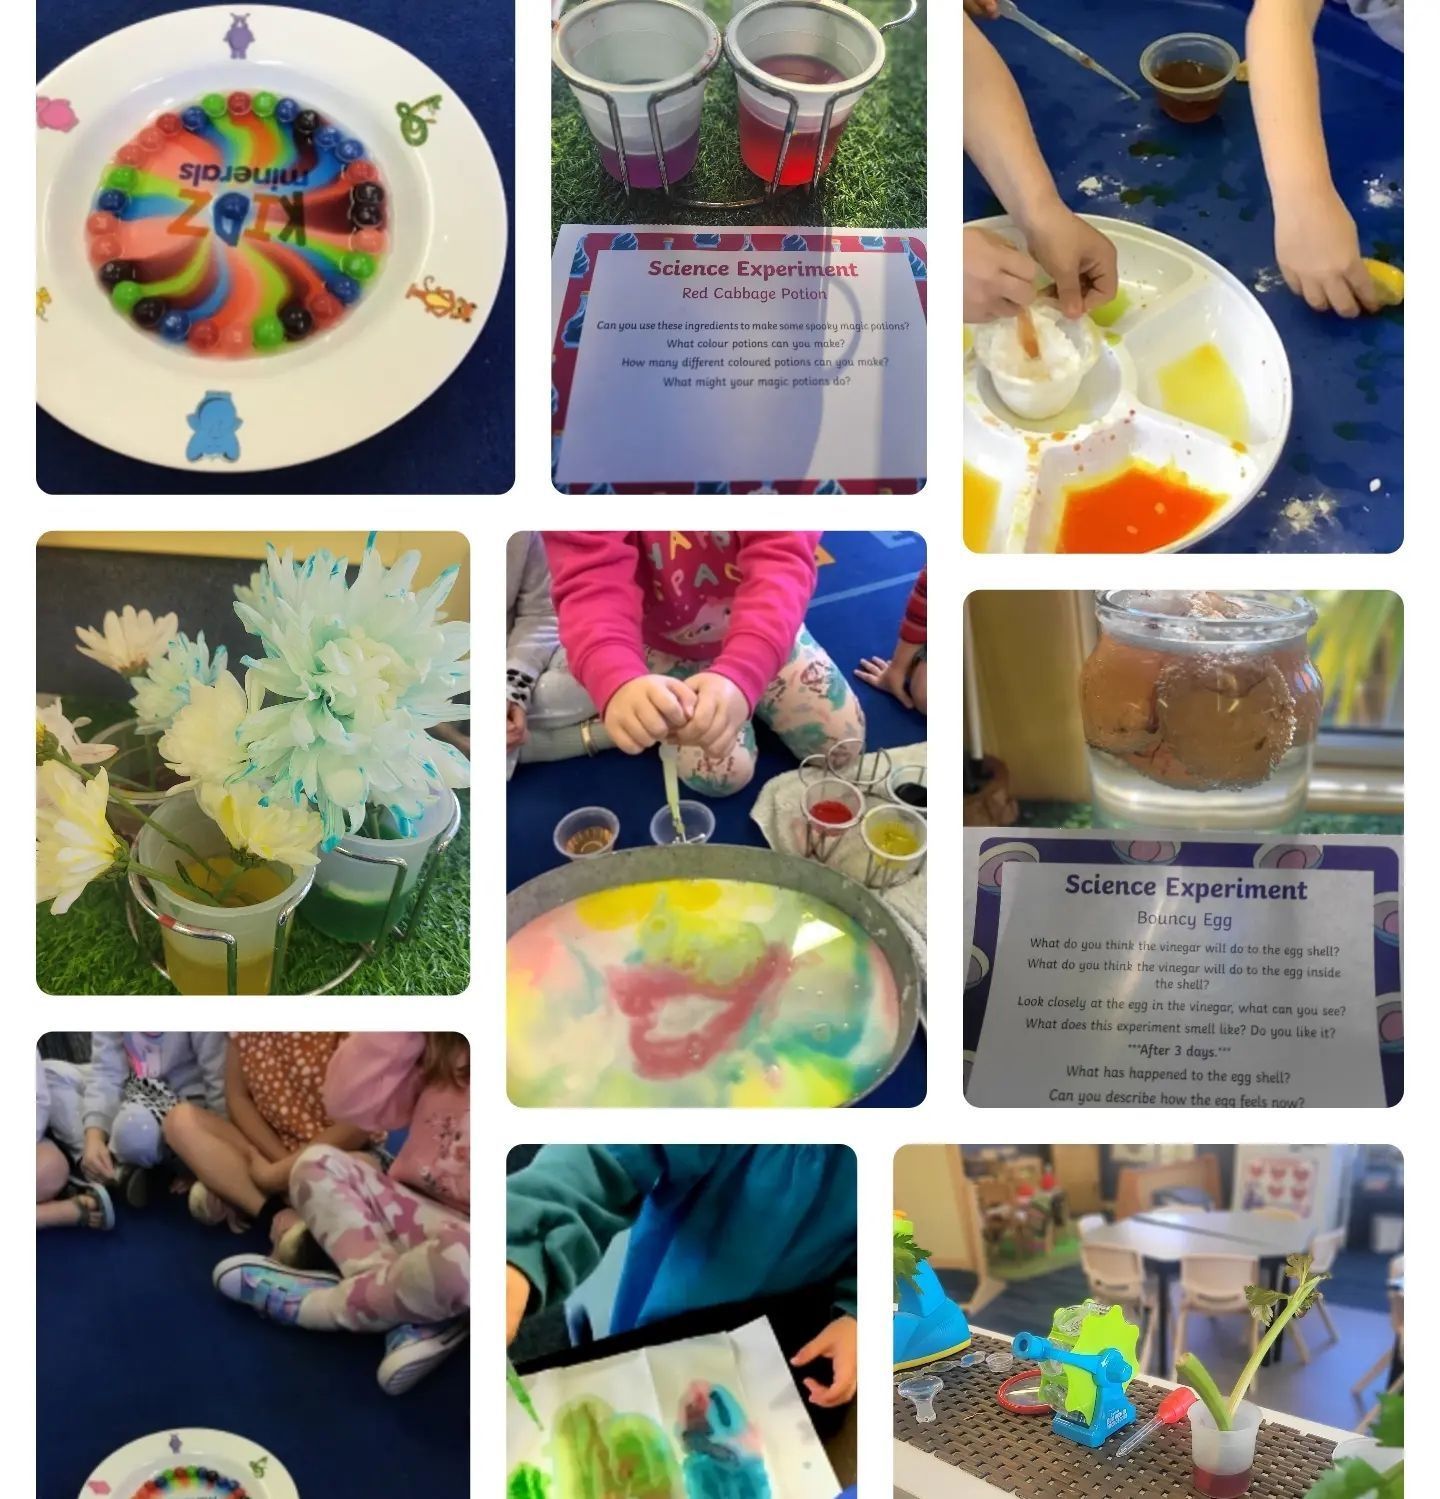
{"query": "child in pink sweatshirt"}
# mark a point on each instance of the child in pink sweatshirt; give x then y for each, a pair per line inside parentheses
(685, 635)
(401, 1239)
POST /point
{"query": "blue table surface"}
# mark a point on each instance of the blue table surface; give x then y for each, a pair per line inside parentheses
(461, 440)
(1205, 185)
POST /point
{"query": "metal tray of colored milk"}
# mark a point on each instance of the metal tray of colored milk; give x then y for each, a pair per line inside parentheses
(558, 888)
(1180, 299)
(164, 403)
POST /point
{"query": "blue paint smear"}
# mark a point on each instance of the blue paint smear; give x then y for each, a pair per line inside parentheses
(712, 1468)
(1212, 194)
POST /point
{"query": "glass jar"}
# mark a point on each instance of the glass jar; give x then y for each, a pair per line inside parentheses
(1200, 710)
(198, 965)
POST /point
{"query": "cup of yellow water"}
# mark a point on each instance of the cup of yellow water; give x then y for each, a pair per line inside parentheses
(197, 937)
(895, 841)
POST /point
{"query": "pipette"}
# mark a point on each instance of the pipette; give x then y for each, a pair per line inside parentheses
(670, 764)
(1174, 1408)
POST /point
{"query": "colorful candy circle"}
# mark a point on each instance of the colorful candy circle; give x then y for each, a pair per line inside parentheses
(238, 225)
(192, 1481)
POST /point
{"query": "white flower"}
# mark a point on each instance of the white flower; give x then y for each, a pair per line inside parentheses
(73, 842)
(364, 670)
(131, 640)
(269, 830)
(165, 689)
(50, 720)
(202, 744)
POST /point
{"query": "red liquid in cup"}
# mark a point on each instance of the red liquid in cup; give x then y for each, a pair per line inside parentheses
(760, 139)
(1222, 1485)
(835, 813)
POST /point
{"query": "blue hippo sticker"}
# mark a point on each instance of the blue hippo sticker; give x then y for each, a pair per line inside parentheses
(213, 426)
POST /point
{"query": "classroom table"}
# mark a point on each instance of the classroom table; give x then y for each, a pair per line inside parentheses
(1338, 486)
(1164, 1237)
(919, 1476)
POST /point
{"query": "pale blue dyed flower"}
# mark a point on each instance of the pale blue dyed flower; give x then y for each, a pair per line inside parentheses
(362, 671)
(165, 688)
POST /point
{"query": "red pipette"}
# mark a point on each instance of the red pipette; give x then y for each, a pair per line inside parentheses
(1173, 1409)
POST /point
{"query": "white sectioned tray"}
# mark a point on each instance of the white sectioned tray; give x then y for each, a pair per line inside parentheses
(1179, 299)
(263, 1475)
(133, 392)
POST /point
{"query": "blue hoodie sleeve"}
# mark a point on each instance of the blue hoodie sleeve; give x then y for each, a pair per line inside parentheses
(563, 1209)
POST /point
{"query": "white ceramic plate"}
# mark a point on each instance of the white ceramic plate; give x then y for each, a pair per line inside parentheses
(1179, 299)
(122, 1473)
(135, 393)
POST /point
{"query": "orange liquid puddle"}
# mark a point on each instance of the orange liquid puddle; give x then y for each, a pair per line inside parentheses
(1136, 510)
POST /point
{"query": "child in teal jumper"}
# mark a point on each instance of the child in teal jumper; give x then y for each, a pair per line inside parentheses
(709, 1225)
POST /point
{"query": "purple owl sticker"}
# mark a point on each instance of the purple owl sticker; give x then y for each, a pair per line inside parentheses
(239, 38)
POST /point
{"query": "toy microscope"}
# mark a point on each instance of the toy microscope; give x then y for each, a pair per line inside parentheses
(1095, 1367)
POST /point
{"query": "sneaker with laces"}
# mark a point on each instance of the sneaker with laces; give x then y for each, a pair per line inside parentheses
(413, 1349)
(270, 1288)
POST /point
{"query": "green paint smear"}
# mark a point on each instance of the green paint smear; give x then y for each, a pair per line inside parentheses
(518, 1390)
(1151, 148)
(597, 1454)
(1157, 195)
(527, 1482)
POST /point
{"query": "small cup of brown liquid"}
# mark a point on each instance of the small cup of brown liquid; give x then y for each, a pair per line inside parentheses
(587, 832)
(1189, 73)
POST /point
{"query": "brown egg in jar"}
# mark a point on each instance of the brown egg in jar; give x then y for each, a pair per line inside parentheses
(1117, 696)
(1227, 720)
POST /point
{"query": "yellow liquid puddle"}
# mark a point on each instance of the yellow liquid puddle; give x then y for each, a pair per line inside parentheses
(980, 497)
(1201, 388)
(197, 966)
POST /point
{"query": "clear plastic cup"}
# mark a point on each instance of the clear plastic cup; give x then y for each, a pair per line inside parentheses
(813, 51)
(1224, 1460)
(895, 839)
(831, 807)
(1189, 72)
(351, 897)
(582, 834)
(197, 965)
(696, 820)
(631, 50)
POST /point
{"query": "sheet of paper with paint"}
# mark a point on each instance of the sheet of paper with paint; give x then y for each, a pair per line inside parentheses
(714, 1417)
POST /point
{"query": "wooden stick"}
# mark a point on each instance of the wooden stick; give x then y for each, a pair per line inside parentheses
(1029, 338)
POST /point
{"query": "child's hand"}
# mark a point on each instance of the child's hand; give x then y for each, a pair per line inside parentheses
(97, 1163)
(517, 1298)
(721, 711)
(1077, 255)
(982, 10)
(516, 732)
(1318, 249)
(837, 1343)
(271, 1177)
(999, 279)
(888, 676)
(646, 710)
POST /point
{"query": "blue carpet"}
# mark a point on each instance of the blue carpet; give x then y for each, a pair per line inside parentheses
(133, 1339)
(858, 604)
(461, 440)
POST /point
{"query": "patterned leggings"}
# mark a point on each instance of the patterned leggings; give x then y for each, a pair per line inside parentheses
(809, 705)
(402, 1257)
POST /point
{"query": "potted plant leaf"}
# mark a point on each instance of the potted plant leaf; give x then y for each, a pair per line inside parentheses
(1223, 1428)
(1370, 1467)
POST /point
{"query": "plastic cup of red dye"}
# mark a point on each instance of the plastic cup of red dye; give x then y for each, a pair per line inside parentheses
(628, 52)
(1189, 72)
(831, 807)
(805, 53)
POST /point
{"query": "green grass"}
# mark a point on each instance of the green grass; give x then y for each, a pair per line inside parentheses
(876, 181)
(89, 950)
